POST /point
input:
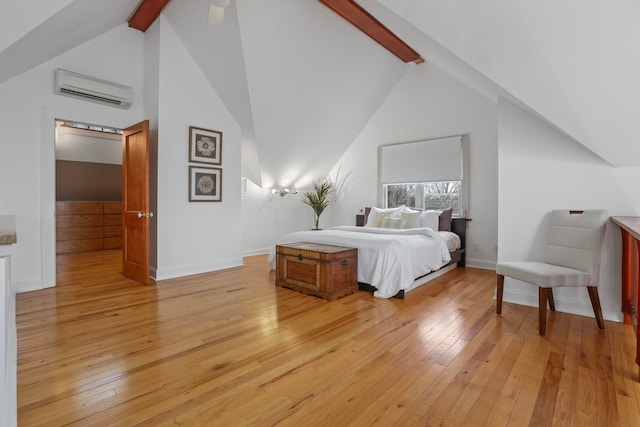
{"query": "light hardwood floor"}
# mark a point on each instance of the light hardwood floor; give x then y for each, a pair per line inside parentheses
(230, 349)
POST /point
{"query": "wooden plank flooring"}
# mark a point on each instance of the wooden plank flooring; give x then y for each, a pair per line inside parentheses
(230, 349)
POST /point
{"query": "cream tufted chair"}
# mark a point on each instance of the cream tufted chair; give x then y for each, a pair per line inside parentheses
(570, 257)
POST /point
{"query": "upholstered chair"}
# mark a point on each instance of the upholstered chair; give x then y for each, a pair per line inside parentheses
(570, 258)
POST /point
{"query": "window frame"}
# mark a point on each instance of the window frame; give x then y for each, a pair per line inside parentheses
(419, 194)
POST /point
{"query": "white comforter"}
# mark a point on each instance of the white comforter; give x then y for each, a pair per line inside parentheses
(388, 259)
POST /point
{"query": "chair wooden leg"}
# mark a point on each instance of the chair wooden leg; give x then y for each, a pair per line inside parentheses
(595, 303)
(499, 292)
(552, 303)
(543, 297)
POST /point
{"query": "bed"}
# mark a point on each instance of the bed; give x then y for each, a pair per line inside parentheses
(392, 261)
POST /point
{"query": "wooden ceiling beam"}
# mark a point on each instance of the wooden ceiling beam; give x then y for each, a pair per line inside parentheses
(146, 13)
(363, 20)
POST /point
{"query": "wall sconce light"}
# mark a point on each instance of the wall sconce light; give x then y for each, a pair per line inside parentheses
(284, 191)
(216, 11)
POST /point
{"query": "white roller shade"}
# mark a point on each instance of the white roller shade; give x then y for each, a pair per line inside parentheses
(422, 161)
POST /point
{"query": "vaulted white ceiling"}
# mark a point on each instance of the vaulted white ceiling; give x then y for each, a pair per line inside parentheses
(34, 31)
(302, 82)
(574, 62)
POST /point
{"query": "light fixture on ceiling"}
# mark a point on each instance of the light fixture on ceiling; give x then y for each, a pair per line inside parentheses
(216, 11)
(284, 191)
(87, 126)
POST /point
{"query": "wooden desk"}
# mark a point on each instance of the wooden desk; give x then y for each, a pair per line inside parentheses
(630, 228)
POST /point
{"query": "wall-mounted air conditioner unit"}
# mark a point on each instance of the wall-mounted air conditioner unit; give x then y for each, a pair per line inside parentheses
(92, 89)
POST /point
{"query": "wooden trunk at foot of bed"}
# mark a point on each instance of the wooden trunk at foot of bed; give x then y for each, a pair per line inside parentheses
(325, 271)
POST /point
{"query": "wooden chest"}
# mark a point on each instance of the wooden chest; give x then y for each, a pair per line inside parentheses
(326, 271)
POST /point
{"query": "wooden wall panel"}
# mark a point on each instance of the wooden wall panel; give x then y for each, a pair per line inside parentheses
(113, 208)
(112, 219)
(112, 230)
(88, 226)
(112, 242)
(73, 233)
(79, 221)
(79, 208)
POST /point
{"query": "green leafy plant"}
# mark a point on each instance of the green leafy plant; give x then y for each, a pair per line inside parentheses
(318, 199)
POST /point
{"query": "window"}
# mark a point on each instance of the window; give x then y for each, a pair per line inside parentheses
(442, 195)
(427, 195)
(400, 194)
(426, 174)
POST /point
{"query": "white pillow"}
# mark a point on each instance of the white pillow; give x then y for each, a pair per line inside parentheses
(389, 222)
(376, 215)
(413, 218)
(430, 219)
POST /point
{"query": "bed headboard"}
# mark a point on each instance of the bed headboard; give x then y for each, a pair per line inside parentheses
(459, 226)
(366, 214)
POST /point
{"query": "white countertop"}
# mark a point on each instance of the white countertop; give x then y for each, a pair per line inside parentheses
(8, 233)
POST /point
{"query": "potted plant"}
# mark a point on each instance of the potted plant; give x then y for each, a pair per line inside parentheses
(318, 199)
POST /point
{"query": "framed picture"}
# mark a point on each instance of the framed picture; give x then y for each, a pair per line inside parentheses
(205, 184)
(205, 146)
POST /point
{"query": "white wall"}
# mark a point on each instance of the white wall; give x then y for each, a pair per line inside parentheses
(266, 217)
(192, 237)
(428, 103)
(28, 109)
(314, 80)
(151, 103)
(541, 169)
(78, 145)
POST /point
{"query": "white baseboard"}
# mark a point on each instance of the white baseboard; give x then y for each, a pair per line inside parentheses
(29, 286)
(480, 263)
(253, 252)
(162, 274)
(158, 274)
(564, 305)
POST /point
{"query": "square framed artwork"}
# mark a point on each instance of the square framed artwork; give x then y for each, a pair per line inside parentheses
(205, 146)
(205, 184)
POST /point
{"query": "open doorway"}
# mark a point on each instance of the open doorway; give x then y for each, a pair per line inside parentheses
(88, 187)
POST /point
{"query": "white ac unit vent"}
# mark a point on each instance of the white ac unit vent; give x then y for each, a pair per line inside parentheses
(91, 89)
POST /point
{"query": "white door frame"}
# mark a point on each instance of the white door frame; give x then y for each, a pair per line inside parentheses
(48, 183)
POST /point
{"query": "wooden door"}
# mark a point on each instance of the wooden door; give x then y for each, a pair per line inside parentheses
(135, 203)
